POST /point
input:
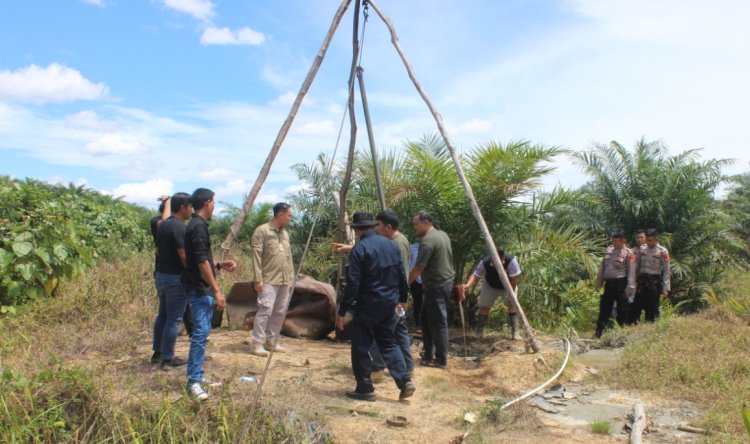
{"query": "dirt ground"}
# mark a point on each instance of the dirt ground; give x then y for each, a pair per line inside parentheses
(312, 376)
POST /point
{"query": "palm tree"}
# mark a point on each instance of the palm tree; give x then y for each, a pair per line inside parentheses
(647, 188)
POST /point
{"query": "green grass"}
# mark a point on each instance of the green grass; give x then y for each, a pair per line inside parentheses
(704, 359)
(601, 427)
(57, 382)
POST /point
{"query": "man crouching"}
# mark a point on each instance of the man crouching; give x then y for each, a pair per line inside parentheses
(375, 279)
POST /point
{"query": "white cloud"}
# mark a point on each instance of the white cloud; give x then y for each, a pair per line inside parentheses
(114, 144)
(319, 128)
(200, 9)
(286, 99)
(87, 120)
(217, 175)
(144, 192)
(232, 188)
(226, 36)
(55, 83)
(99, 3)
(473, 126)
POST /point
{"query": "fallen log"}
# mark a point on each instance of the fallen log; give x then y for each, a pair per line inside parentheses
(639, 424)
(691, 429)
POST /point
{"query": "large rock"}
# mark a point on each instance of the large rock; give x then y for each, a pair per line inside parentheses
(312, 310)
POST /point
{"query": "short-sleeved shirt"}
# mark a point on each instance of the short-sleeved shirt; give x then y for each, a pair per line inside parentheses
(655, 262)
(436, 258)
(272, 255)
(513, 269)
(170, 238)
(198, 250)
(403, 247)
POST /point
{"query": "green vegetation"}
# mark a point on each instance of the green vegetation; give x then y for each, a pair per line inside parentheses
(50, 232)
(601, 427)
(69, 375)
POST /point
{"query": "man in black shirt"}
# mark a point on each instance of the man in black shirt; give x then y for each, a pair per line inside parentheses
(201, 286)
(376, 280)
(170, 262)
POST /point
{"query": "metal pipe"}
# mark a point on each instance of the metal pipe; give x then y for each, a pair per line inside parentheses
(371, 137)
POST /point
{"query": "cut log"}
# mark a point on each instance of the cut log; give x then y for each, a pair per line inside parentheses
(691, 429)
(639, 424)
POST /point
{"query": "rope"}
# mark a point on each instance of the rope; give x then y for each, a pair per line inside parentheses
(336, 147)
(273, 346)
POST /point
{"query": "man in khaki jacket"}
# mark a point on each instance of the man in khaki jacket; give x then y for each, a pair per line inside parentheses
(274, 279)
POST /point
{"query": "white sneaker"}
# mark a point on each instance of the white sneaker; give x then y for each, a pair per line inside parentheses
(258, 350)
(278, 348)
(196, 392)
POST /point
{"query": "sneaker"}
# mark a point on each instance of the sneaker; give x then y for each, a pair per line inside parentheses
(361, 396)
(156, 358)
(173, 363)
(407, 391)
(377, 376)
(277, 349)
(196, 392)
(258, 350)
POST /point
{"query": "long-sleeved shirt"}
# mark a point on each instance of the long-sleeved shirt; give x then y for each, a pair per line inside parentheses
(655, 261)
(272, 255)
(617, 264)
(376, 277)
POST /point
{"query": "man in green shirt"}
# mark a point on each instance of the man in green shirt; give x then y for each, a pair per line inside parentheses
(435, 266)
(274, 279)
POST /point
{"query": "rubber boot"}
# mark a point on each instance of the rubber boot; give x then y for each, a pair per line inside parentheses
(481, 324)
(513, 317)
(598, 334)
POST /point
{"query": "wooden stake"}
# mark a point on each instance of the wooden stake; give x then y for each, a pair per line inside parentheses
(250, 199)
(530, 341)
(639, 423)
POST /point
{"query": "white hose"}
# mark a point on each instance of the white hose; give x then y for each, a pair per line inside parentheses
(549, 381)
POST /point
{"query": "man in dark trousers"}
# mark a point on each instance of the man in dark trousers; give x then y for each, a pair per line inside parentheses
(170, 263)
(617, 275)
(376, 280)
(201, 286)
(654, 278)
(435, 265)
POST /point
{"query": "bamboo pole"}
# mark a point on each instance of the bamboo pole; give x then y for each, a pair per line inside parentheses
(530, 341)
(283, 131)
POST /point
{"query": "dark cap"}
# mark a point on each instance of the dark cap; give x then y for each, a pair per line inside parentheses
(362, 219)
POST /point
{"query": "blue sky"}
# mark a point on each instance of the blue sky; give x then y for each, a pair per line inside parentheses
(144, 97)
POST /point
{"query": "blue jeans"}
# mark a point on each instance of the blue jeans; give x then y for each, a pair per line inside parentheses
(201, 306)
(172, 303)
(401, 331)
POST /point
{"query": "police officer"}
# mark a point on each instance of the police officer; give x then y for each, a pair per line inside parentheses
(376, 280)
(617, 274)
(493, 287)
(652, 264)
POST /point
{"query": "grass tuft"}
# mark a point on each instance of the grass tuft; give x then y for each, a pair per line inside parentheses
(601, 427)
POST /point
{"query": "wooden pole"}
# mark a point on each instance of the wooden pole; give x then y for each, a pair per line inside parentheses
(639, 423)
(343, 225)
(371, 137)
(250, 199)
(530, 341)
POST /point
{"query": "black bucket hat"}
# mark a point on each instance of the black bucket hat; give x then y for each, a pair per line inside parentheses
(362, 219)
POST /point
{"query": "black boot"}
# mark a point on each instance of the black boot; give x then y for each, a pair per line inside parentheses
(599, 331)
(481, 324)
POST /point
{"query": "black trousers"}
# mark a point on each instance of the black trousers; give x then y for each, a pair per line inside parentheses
(614, 290)
(416, 294)
(435, 322)
(646, 298)
(377, 327)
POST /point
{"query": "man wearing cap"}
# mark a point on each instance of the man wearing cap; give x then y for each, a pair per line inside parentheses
(376, 280)
(435, 265)
(274, 279)
(617, 274)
